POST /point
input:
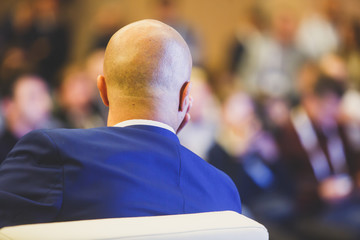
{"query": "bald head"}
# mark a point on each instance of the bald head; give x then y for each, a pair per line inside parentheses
(146, 58)
(147, 70)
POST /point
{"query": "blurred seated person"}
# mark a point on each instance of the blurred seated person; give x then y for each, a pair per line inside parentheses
(75, 99)
(318, 30)
(271, 60)
(26, 106)
(200, 132)
(248, 154)
(321, 157)
(249, 31)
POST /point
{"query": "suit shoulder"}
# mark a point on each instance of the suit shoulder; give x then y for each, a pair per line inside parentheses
(219, 186)
(73, 133)
(54, 136)
(195, 159)
(76, 131)
(36, 146)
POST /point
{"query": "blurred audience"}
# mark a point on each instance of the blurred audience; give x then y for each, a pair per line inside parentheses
(248, 154)
(321, 158)
(26, 106)
(290, 139)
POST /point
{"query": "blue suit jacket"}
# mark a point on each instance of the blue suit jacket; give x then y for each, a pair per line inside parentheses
(61, 175)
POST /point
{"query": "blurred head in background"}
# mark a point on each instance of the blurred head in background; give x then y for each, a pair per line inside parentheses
(239, 113)
(75, 92)
(167, 11)
(240, 124)
(27, 105)
(75, 98)
(46, 11)
(322, 87)
(242, 131)
(284, 25)
(205, 105)
(323, 103)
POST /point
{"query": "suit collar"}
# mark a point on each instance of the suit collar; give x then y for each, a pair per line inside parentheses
(155, 130)
(146, 122)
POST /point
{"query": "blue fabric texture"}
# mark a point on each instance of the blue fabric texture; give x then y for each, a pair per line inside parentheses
(63, 175)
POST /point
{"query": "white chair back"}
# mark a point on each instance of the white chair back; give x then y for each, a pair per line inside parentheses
(208, 226)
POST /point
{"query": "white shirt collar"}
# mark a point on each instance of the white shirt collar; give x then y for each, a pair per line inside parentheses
(144, 122)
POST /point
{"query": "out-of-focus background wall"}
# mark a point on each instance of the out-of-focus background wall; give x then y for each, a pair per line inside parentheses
(215, 20)
(275, 83)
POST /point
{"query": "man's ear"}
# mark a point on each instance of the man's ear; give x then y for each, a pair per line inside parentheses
(184, 96)
(184, 106)
(101, 84)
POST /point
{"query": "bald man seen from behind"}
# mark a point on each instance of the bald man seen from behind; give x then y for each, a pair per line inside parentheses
(134, 167)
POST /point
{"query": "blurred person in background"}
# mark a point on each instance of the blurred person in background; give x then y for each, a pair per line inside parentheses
(17, 35)
(248, 154)
(33, 38)
(26, 106)
(350, 49)
(275, 113)
(249, 32)
(51, 47)
(318, 32)
(167, 11)
(75, 106)
(349, 113)
(271, 63)
(200, 132)
(318, 154)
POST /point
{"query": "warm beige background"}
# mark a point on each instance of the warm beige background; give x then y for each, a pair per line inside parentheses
(214, 20)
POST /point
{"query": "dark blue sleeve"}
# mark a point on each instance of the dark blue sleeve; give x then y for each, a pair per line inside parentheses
(31, 181)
